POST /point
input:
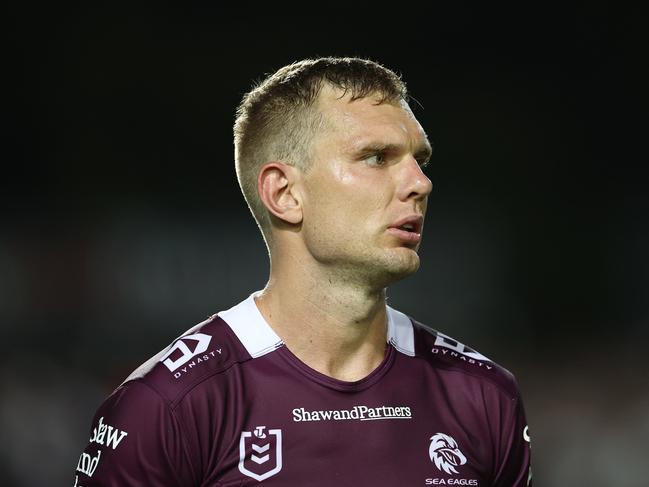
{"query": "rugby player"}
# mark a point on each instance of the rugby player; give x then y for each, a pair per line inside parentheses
(314, 380)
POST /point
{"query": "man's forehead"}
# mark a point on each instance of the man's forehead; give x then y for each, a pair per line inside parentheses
(365, 118)
(336, 100)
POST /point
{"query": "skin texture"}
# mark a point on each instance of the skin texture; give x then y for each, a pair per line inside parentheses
(334, 249)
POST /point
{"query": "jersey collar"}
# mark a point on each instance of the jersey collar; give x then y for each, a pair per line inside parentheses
(258, 338)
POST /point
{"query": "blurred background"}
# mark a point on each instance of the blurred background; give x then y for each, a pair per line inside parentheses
(123, 225)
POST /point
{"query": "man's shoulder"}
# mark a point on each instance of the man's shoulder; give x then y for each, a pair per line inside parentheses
(203, 351)
(445, 353)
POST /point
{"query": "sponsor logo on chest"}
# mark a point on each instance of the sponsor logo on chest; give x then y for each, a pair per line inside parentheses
(357, 413)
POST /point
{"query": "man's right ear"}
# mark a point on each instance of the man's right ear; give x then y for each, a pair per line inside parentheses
(276, 187)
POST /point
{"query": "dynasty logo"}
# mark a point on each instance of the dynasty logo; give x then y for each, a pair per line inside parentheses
(180, 358)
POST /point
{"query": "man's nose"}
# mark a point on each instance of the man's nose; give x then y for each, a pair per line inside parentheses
(416, 184)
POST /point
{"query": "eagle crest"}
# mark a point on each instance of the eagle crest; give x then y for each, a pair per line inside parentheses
(445, 454)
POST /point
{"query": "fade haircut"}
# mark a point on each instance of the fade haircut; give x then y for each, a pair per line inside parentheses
(278, 118)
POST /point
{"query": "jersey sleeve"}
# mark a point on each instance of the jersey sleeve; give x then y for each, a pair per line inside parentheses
(135, 440)
(514, 469)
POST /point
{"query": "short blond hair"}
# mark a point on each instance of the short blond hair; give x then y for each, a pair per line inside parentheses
(278, 118)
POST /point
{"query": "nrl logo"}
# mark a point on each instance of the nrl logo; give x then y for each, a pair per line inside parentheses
(260, 453)
(445, 454)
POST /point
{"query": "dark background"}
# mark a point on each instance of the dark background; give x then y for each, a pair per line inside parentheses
(123, 225)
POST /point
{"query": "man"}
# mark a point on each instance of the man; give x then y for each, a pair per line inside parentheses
(315, 381)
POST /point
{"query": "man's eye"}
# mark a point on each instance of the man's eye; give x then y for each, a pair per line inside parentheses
(376, 160)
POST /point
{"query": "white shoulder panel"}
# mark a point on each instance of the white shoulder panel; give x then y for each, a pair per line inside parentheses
(251, 328)
(400, 332)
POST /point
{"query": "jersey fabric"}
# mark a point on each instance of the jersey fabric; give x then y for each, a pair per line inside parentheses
(227, 404)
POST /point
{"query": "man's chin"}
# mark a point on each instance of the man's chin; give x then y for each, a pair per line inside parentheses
(404, 263)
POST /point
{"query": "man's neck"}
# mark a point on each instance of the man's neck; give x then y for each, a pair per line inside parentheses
(337, 329)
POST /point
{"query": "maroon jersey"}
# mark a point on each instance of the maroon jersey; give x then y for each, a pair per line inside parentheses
(227, 404)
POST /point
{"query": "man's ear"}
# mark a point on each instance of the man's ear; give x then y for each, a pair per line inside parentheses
(276, 187)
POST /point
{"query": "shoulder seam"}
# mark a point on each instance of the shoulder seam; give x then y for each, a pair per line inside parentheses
(177, 399)
(183, 429)
(502, 388)
(171, 412)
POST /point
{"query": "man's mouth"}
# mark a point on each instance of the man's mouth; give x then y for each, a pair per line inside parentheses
(408, 229)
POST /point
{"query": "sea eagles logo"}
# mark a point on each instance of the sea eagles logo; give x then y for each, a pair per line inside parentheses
(260, 453)
(445, 454)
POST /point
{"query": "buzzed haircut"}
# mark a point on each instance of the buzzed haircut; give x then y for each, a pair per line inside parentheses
(278, 118)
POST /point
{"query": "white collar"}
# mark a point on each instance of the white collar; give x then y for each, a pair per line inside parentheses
(258, 338)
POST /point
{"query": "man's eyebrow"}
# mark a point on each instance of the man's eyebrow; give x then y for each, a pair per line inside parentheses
(424, 151)
(377, 147)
